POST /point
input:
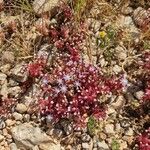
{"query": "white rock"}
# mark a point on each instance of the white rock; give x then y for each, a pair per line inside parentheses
(85, 137)
(118, 127)
(13, 146)
(4, 90)
(1, 138)
(41, 6)
(14, 91)
(1, 1)
(103, 145)
(12, 83)
(2, 124)
(50, 146)
(8, 57)
(26, 117)
(127, 10)
(102, 62)
(111, 111)
(121, 53)
(139, 95)
(26, 136)
(5, 68)
(109, 129)
(96, 26)
(19, 73)
(119, 102)
(129, 132)
(10, 122)
(126, 23)
(140, 16)
(21, 108)
(2, 78)
(17, 116)
(35, 148)
(56, 133)
(85, 145)
(123, 145)
(117, 69)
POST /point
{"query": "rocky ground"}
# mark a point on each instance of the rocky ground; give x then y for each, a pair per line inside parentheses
(116, 37)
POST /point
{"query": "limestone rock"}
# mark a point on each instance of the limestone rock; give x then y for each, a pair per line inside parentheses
(141, 17)
(42, 6)
(19, 73)
(8, 57)
(2, 78)
(26, 136)
(2, 124)
(103, 146)
(109, 129)
(1, 138)
(13, 146)
(15, 91)
(21, 108)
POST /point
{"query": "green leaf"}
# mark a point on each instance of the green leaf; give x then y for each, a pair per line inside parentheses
(115, 145)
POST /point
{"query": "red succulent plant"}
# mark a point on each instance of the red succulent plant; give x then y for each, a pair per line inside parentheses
(72, 89)
(144, 140)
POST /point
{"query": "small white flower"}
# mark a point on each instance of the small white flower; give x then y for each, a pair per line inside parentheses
(45, 81)
(63, 89)
(57, 90)
(49, 118)
(67, 77)
(77, 84)
(69, 108)
(60, 81)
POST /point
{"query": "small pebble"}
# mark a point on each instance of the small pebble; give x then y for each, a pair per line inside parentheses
(85, 145)
(1, 138)
(139, 95)
(109, 129)
(13, 146)
(17, 116)
(21, 108)
(10, 122)
(85, 137)
(2, 124)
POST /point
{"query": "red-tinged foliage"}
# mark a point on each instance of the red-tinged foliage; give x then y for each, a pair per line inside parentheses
(146, 96)
(65, 34)
(144, 140)
(145, 76)
(35, 69)
(146, 61)
(65, 13)
(6, 106)
(72, 90)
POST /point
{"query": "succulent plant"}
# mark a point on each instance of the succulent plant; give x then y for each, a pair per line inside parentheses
(144, 140)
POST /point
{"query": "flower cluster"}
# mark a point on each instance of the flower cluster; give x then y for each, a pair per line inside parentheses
(146, 70)
(144, 140)
(72, 90)
(65, 34)
(6, 106)
(35, 69)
